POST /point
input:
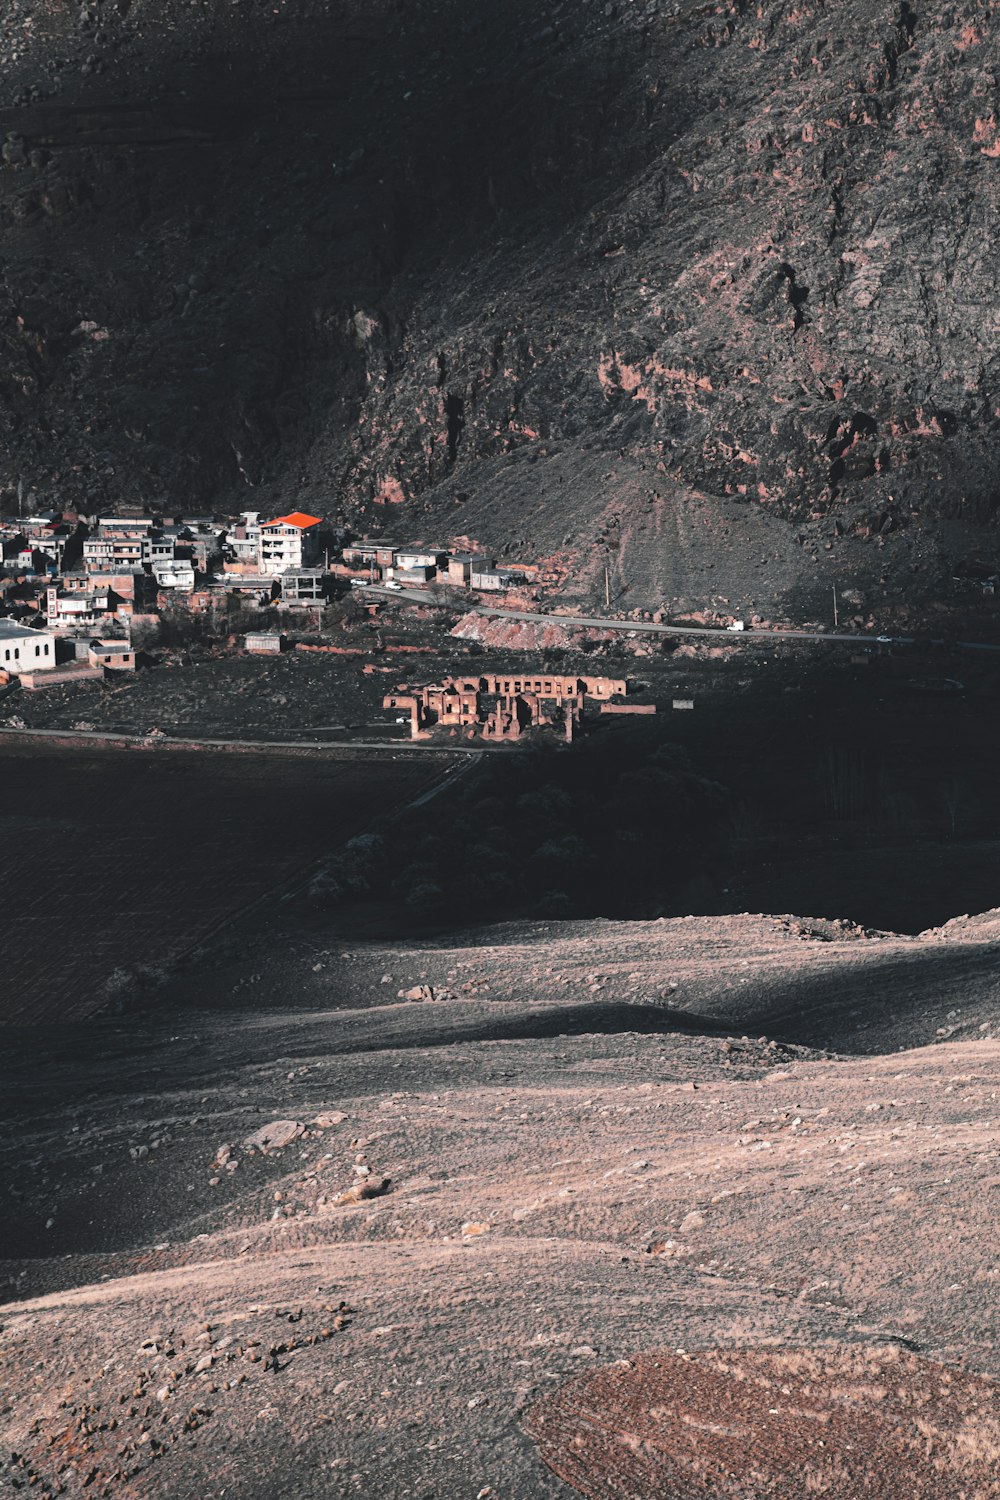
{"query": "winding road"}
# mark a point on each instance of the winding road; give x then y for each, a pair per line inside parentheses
(646, 627)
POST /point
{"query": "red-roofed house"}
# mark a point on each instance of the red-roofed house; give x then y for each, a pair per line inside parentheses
(290, 541)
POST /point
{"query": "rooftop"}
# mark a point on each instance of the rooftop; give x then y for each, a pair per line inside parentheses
(10, 628)
(294, 518)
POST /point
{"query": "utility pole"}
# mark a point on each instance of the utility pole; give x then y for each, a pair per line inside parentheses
(607, 588)
(836, 617)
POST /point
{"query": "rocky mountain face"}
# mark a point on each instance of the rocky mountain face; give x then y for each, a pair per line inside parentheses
(570, 278)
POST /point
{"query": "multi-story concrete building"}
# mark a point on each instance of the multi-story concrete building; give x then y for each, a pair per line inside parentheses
(101, 553)
(134, 527)
(290, 541)
(243, 540)
(303, 586)
(161, 547)
(78, 610)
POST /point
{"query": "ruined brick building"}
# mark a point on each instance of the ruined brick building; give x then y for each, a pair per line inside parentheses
(503, 707)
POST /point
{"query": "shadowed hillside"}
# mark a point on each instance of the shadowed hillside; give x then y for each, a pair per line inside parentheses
(629, 283)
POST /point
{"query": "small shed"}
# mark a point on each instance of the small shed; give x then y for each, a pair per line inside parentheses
(265, 643)
(119, 656)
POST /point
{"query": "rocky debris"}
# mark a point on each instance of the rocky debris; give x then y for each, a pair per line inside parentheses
(667, 1248)
(423, 992)
(114, 1435)
(329, 1118)
(364, 1188)
(274, 1136)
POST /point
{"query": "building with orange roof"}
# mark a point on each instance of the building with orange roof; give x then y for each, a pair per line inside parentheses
(290, 541)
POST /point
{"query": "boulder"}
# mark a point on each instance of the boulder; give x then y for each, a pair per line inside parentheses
(274, 1136)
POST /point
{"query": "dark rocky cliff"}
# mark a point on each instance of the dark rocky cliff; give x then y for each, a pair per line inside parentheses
(580, 279)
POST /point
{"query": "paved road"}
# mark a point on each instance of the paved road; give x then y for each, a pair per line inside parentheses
(645, 627)
(632, 627)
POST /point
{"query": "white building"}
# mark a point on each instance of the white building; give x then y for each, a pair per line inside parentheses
(25, 650)
(77, 610)
(409, 559)
(50, 546)
(290, 541)
(174, 573)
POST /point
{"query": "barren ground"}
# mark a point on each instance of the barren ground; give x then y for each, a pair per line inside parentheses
(590, 1141)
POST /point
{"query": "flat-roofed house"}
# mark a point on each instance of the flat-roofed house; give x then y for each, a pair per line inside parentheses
(462, 565)
(174, 573)
(409, 559)
(369, 554)
(119, 656)
(486, 578)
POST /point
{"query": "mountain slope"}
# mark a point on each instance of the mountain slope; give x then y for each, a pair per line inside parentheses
(552, 276)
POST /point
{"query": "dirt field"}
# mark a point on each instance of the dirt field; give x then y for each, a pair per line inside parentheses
(114, 859)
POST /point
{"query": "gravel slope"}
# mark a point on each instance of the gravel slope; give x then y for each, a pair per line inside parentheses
(561, 1177)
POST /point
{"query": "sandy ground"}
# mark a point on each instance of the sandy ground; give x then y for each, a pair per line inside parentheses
(591, 1142)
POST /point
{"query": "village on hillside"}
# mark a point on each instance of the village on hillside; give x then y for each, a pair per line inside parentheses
(97, 599)
(93, 598)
